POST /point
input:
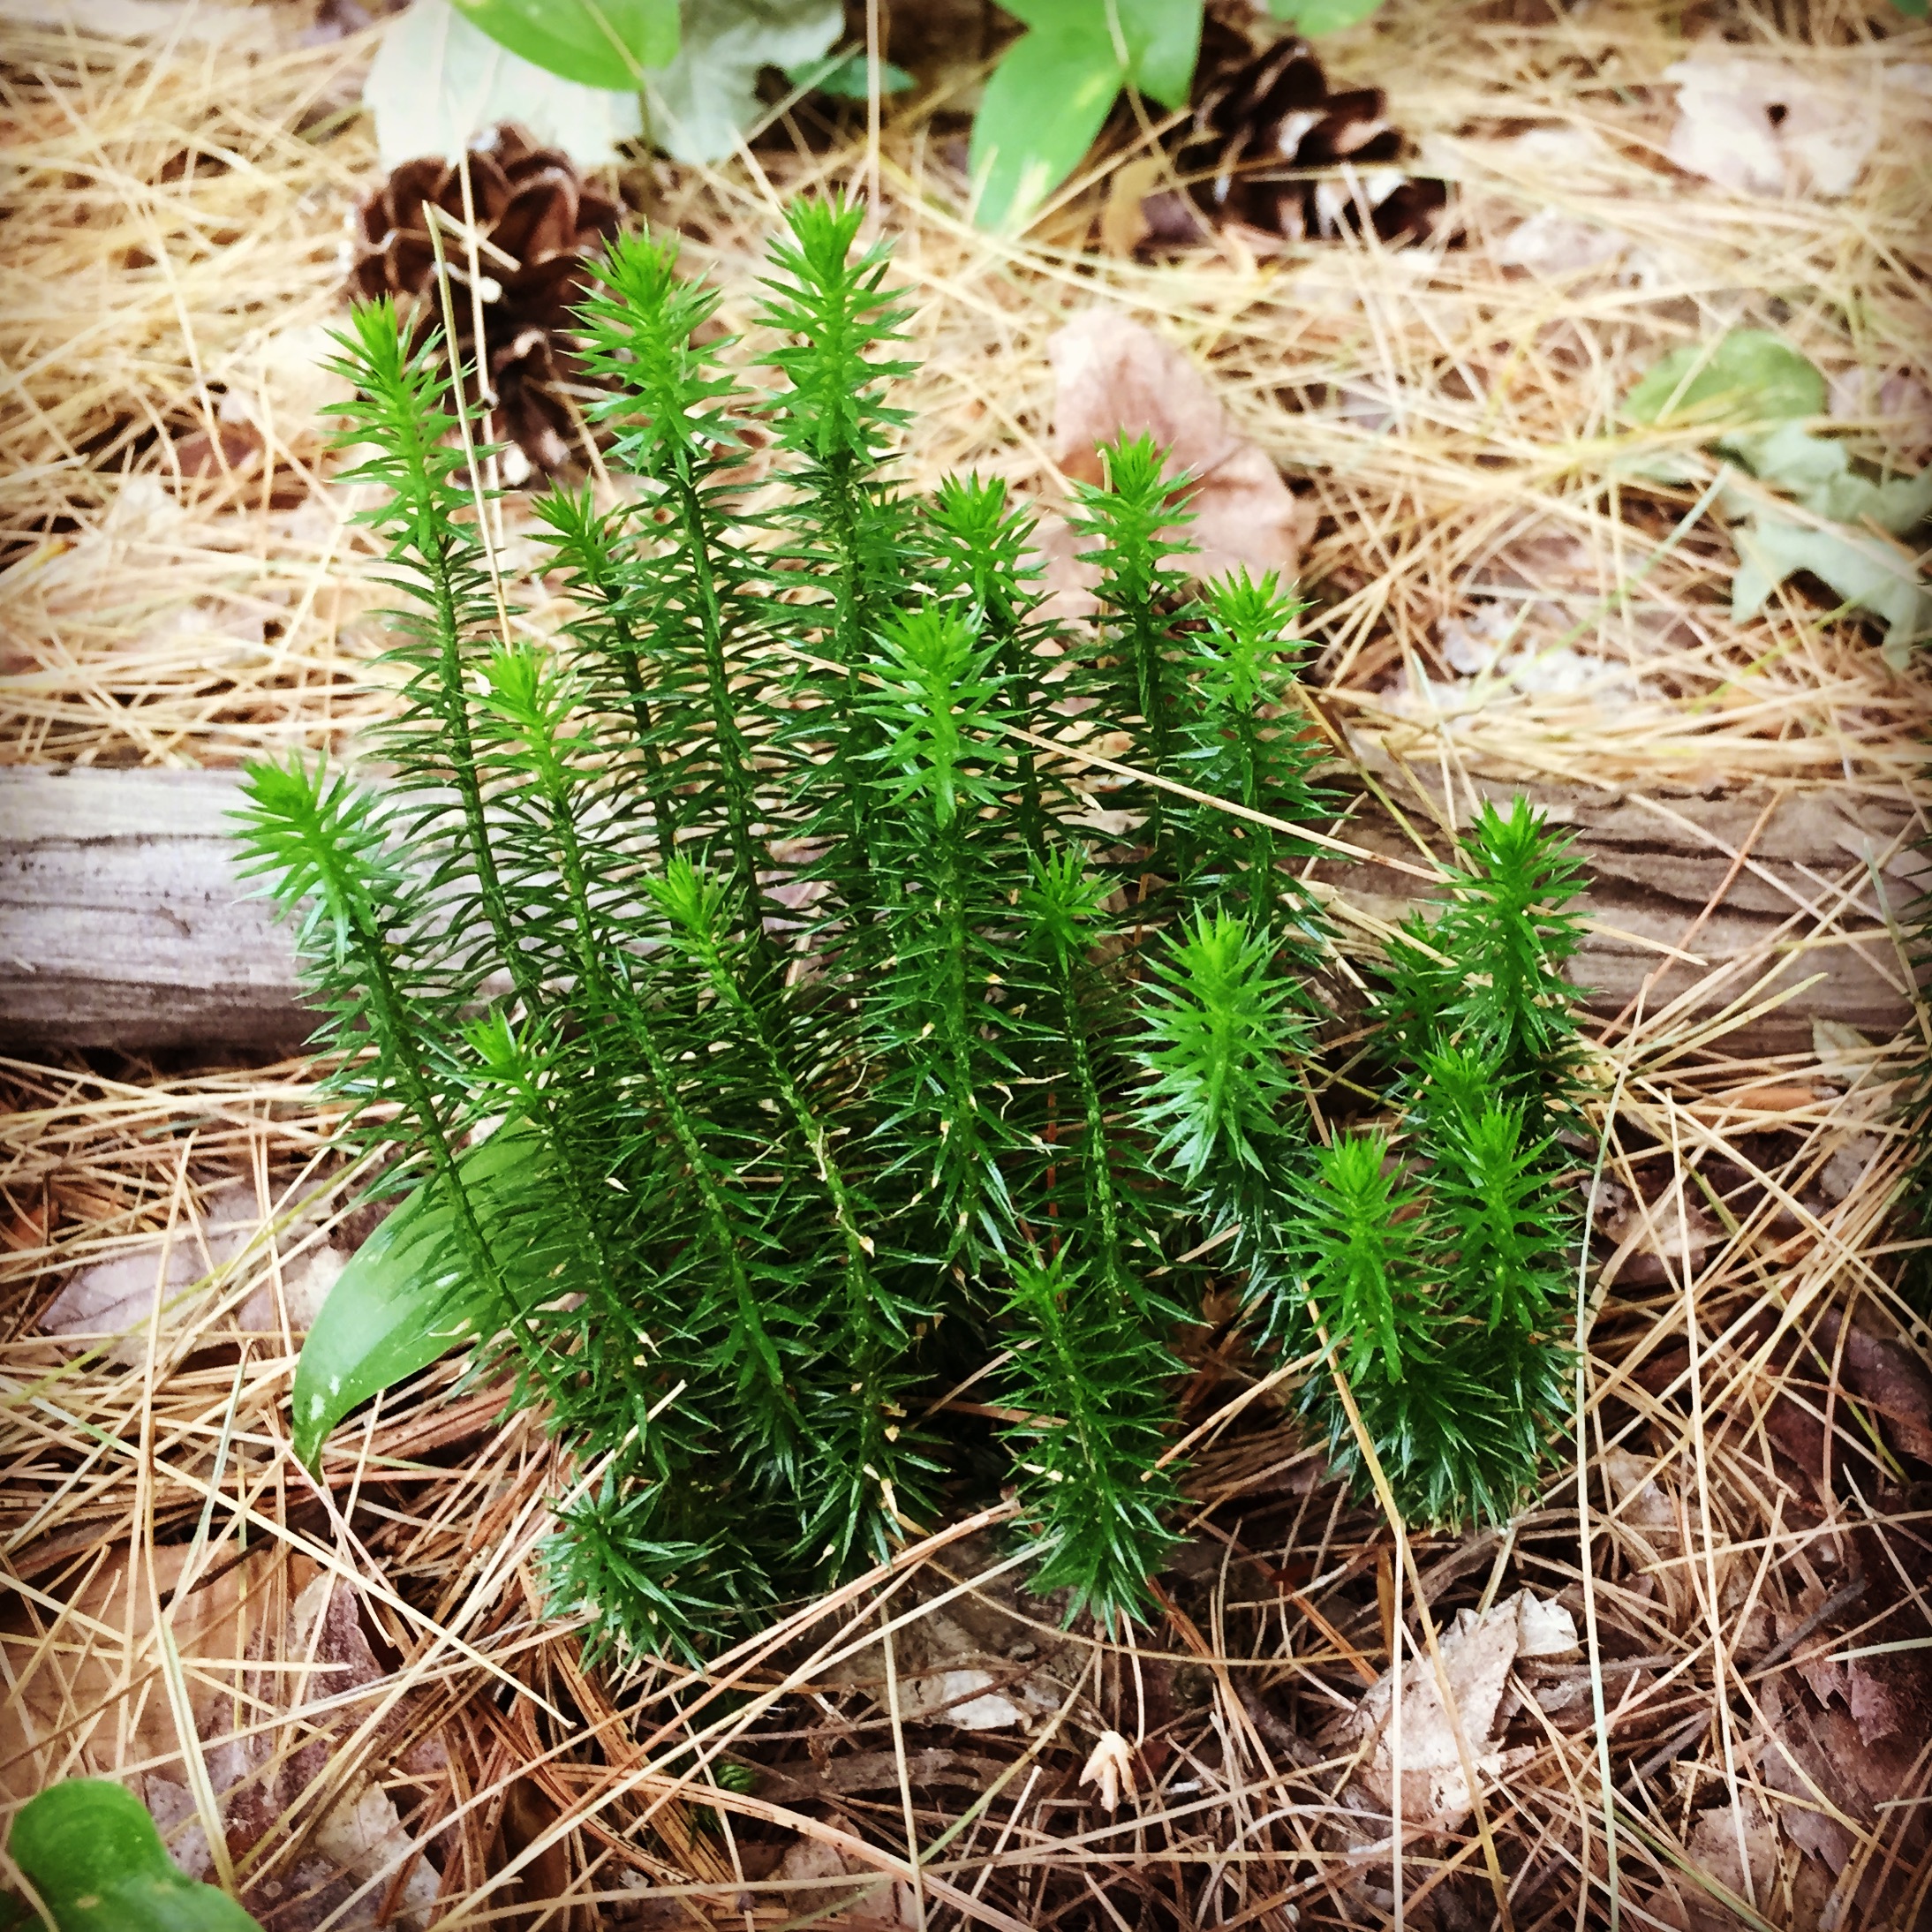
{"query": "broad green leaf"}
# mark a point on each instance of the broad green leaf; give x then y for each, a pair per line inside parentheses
(437, 82)
(847, 77)
(1042, 106)
(405, 1300)
(598, 43)
(1915, 8)
(1315, 18)
(1750, 376)
(1160, 39)
(699, 105)
(1163, 38)
(91, 1851)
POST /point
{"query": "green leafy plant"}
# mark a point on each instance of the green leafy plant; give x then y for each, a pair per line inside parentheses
(761, 1031)
(90, 1849)
(1749, 392)
(1053, 86)
(1432, 1267)
(1316, 18)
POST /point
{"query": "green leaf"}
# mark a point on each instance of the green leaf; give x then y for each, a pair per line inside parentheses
(848, 77)
(1867, 573)
(1157, 40)
(91, 1851)
(1818, 472)
(403, 1302)
(1915, 8)
(598, 43)
(699, 104)
(437, 82)
(1750, 376)
(1042, 106)
(1315, 18)
(1163, 38)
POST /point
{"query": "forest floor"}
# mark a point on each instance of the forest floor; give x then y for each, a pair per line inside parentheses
(1692, 1680)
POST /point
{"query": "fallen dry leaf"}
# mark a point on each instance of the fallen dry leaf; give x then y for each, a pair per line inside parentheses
(983, 1663)
(1478, 1653)
(86, 1696)
(888, 1903)
(1723, 1841)
(1116, 378)
(1658, 1239)
(185, 1268)
(1762, 127)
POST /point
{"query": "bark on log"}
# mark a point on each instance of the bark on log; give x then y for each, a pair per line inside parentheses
(126, 927)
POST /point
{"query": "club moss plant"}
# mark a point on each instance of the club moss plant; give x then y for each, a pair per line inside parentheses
(775, 1036)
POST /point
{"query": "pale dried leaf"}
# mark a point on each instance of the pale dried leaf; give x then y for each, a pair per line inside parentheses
(1762, 127)
(1477, 1654)
(184, 1269)
(887, 1905)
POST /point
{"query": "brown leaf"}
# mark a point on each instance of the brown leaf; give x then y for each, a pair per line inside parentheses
(1722, 1842)
(1886, 1377)
(1118, 379)
(117, 1298)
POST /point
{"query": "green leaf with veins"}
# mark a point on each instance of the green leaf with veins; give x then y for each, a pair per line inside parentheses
(405, 1299)
(91, 1851)
(600, 43)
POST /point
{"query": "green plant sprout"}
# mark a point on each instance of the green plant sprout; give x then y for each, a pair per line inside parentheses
(767, 1037)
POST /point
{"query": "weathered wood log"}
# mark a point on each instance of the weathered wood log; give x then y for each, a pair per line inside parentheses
(125, 925)
(122, 923)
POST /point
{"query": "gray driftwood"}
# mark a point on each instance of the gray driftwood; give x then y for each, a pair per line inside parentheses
(122, 923)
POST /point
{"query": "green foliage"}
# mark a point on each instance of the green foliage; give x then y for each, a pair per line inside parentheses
(1316, 18)
(764, 1041)
(90, 1849)
(1748, 392)
(406, 1298)
(1746, 378)
(599, 43)
(1052, 88)
(1487, 976)
(1439, 1267)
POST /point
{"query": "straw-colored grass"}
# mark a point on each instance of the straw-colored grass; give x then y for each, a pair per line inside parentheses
(173, 229)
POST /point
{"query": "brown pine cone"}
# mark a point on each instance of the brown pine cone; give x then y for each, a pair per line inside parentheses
(539, 221)
(1259, 118)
